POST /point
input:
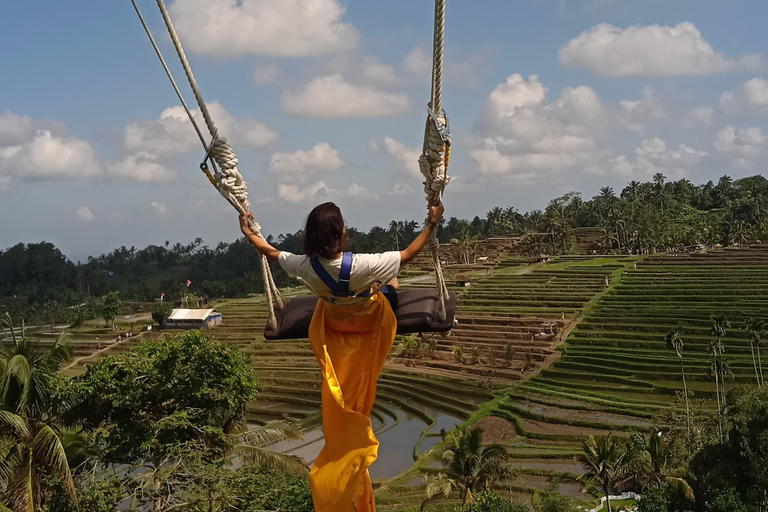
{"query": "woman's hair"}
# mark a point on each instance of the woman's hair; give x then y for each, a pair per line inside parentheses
(324, 233)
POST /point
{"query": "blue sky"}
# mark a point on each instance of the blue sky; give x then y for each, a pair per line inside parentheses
(326, 100)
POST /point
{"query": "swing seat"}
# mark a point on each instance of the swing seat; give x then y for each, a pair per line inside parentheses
(416, 312)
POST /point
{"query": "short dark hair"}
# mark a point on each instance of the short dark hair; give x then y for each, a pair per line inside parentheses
(324, 232)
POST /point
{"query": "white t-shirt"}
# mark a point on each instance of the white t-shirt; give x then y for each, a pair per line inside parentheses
(367, 269)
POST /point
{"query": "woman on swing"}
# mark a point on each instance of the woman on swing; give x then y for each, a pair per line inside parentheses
(351, 334)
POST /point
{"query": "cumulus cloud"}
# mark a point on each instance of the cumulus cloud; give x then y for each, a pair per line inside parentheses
(303, 165)
(523, 136)
(407, 157)
(635, 115)
(319, 191)
(173, 134)
(332, 96)
(649, 50)
(45, 156)
(159, 209)
(745, 145)
(652, 156)
(279, 28)
(267, 74)
(752, 95)
(464, 73)
(699, 116)
(84, 214)
(141, 167)
(375, 72)
(15, 129)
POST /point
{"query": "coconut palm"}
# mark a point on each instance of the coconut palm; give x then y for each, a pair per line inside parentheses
(755, 329)
(675, 342)
(604, 460)
(720, 326)
(651, 464)
(470, 466)
(31, 447)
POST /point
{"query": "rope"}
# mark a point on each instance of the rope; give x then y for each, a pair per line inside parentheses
(435, 155)
(228, 180)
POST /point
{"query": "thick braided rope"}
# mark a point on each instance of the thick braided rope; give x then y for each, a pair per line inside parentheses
(433, 161)
(229, 181)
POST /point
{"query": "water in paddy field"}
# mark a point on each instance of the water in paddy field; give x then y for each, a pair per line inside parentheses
(397, 440)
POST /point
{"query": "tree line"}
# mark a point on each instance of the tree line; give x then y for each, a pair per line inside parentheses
(643, 217)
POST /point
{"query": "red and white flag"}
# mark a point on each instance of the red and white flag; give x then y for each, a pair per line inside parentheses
(189, 282)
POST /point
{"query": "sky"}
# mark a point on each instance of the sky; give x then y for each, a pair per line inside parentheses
(326, 100)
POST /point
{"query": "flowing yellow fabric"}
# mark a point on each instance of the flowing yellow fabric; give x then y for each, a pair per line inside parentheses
(351, 345)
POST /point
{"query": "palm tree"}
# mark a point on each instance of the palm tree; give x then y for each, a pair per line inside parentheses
(470, 466)
(720, 325)
(31, 447)
(675, 342)
(604, 460)
(652, 466)
(755, 328)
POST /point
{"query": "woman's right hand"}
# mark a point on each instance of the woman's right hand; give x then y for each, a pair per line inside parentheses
(436, 213)
(244, 227)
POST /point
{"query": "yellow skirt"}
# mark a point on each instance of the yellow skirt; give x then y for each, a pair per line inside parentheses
(351, 345)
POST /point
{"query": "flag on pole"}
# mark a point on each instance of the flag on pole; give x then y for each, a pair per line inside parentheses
(188, 283)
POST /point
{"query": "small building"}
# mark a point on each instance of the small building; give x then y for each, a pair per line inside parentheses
(193, 319)
(461, 281)
(543, 258)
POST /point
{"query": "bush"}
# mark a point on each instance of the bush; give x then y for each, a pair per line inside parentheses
(653, 500)
(552, 501)
(161, 311)
(489, 501)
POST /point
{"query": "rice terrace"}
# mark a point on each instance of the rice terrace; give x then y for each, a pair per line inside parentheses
(577, 325)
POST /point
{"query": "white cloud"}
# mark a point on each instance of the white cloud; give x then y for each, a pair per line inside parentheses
(635, 115)
(524, 137)
(374, 72)
(652, 156)
(319, 191)
(173, 134)
(159, 209)
(267, 74)
(332, 96)
(279, 28)
(48, 157)
(745, 145)
(15, 129)
(297, 194)
(752, 95)
(141, 167)
(649, 50)
(408, 158)
(699, 116)
(301, 166)
(84, 214)
(459, 73)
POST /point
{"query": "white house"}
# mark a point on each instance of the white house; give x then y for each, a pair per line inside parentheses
(193, 318)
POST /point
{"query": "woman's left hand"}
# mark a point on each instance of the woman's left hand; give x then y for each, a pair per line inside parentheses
(244, 227)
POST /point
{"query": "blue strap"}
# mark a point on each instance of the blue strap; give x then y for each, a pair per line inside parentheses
(340, 289)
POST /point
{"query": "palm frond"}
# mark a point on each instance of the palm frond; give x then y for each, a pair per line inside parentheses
(681, 486)
(48, 450)
(21, 488)
(11, 422)
(18, 367)
(60, 353)
(269, 434)
(262, 457)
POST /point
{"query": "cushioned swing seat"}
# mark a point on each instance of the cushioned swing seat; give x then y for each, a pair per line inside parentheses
(416, 311)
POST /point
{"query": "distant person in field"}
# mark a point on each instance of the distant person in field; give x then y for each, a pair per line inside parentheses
(351, 335)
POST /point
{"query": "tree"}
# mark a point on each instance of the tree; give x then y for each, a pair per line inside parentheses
(32, 451)
(720, 326)
(154, 406)
(675, 342)
(111, 308)
(651, 463)
(469, 466)
(653, 500)
(755, 329)
(509, 353)
(604, 460)
(160, 312)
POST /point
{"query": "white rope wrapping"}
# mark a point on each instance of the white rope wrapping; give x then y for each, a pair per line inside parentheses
(228, 179)
(433, 161)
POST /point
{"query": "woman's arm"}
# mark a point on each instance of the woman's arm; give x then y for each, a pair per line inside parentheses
(435, 214)
(261, 244)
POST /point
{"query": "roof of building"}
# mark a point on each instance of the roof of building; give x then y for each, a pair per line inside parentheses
(190, 314)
